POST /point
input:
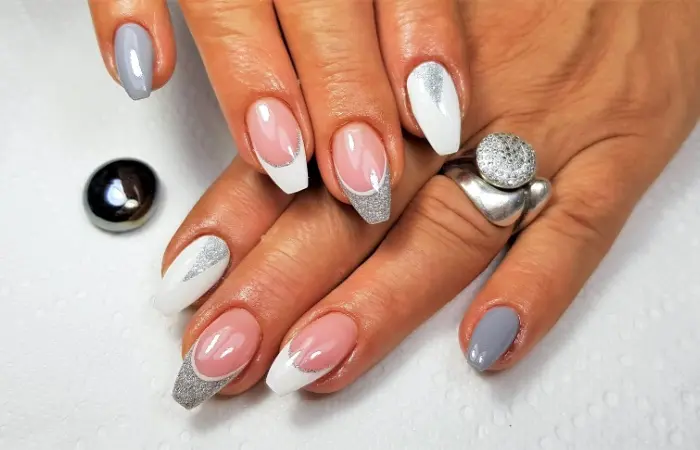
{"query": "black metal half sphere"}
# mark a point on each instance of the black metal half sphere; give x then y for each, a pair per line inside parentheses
(121, 195)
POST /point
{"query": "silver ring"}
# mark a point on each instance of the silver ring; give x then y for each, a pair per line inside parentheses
(499, 179)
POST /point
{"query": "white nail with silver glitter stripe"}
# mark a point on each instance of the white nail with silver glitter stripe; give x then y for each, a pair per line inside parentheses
(285, 377)
(373, 206)
(435, 105)
(195, 270)
(292, 177)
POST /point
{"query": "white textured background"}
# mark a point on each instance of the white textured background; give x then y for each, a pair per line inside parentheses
(87, 364)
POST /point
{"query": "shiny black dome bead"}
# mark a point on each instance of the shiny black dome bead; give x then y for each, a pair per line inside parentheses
(121, 195)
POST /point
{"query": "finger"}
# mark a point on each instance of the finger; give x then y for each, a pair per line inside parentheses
(439, 244)
(256, 85)
(552, 259)
(217, 235)
(284, 275)
(425, 56)
(359, 148)
(136, 42)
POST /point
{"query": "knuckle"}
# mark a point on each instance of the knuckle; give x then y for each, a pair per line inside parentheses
(443, 211)
(583, 212)
(414, 15)
(279, 273)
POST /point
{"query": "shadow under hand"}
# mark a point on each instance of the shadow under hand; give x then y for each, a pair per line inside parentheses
(218, 410)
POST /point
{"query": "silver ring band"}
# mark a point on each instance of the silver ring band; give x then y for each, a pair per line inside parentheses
(498, 177)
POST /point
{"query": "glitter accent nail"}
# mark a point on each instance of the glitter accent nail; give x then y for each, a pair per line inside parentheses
(373, 207)
(215, 250)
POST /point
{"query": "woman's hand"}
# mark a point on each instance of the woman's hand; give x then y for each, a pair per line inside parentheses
(336, 78)
(605, 92)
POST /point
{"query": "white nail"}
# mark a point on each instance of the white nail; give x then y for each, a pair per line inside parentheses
(284, 377)
(195, 270)
(293, 177)
(435, 106)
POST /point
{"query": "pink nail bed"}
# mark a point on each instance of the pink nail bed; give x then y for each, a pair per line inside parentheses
(226, 345)
(359, 157)
(273, 131)
(324, 343)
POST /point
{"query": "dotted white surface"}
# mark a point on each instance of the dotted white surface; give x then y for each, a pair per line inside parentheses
(87, 364)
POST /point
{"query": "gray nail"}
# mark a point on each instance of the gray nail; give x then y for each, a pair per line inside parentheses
(493, 335)
(133, 52)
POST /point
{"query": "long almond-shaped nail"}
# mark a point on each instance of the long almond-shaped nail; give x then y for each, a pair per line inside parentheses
(363, 170)
(493, 335)
(222, 351)
(133, 54)
(277, 141)
(195, 270)
(435, 106)
(311, 354)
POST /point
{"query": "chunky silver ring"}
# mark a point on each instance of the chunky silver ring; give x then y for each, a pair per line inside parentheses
(499, 179)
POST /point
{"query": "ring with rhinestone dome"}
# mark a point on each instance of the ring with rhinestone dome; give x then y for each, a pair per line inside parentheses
(505, 161)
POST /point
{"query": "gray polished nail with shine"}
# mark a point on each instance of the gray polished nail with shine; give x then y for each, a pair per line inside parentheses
(133, 53)
(493, 335)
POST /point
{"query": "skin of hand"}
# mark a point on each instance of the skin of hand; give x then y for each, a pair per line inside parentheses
(606, 92)
(362, 73)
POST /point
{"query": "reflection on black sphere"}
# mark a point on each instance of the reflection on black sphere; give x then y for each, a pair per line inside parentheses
(121, 195)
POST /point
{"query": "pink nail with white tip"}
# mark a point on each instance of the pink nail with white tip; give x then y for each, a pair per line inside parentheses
(277, 141)
(312, 353)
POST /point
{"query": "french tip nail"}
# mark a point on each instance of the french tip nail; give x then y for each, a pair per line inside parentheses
(221, 353)
(316, 350)
(275, 386)
(291, 178)
(278, 144)
(133, 54)
(492, 337)
(435, 105)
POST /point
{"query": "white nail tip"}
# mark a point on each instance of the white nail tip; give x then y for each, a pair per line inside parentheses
(293, 177)
(284, 377)
(435, 106)
(195, 270)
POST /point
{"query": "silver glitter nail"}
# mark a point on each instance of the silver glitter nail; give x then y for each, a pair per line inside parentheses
(432, 75)
(373, 206)
(214, 250)
(191, 390)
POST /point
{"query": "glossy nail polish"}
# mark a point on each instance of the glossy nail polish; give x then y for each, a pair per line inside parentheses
(133, 54)
(311, 354)
(435, 105)
(220, 354)
(363, 171)
(277, 141)
(195, 270)
(492, 337)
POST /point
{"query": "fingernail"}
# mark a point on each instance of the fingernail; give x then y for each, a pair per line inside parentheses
(195, 270)
(133, 53)
(221, 353)
(362, 167)
(277, 142)
(435, 106)
(493, 335)
(312, 353)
